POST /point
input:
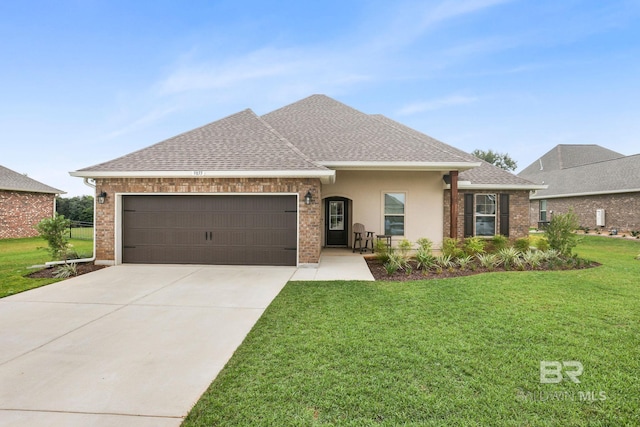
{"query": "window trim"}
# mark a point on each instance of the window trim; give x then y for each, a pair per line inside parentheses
(476, 214)
(403, 215)
(540, 210)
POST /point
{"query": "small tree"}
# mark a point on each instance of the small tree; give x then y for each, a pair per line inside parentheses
(560, 232)
(501, 160)
(54, 231)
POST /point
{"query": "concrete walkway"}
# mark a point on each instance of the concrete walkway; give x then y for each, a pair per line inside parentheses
(336, 264)
(131, 345)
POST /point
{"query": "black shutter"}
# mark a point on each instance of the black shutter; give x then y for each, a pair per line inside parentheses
(468, 214)
(504, 214)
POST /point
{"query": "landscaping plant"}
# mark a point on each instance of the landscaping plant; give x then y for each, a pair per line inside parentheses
(54, 231)
(473, 246)
(561, 232)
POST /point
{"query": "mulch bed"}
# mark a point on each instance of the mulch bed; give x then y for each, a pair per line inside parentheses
(49, 273)
(379, 273)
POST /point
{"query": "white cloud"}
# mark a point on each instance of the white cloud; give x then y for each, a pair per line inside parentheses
(436, 104)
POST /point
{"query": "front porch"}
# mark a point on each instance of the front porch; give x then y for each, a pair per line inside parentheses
(336, 264)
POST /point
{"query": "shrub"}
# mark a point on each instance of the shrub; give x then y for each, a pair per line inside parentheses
(66, 270)
(541, 243)
(533, 258)
(560, 232)
(551, 255)
(424, 259)
(464, 262)
(382, 251)
(499, 242)
(473, 246)
(445, 261)
(54, 231)
(404, 247)
(509, 257)
(450, 247)
(396, 261)
(425, 244)
(390, 267)
(522, 244)
(488, 261)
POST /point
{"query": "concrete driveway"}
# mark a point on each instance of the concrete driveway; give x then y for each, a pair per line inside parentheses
(131, 345)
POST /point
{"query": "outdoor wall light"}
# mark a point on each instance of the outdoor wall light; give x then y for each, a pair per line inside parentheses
(307, 198)
(102, 197)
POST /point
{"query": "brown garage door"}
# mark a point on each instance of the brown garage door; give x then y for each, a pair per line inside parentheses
(252, 230)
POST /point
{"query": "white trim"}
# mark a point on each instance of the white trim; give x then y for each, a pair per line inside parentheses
(406, 166)
(327, 176)
(118, 230)
(494, 215)
(466, 185)
(384, 215)
(590, 193)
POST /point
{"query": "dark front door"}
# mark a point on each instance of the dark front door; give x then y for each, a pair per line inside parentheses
(336, 221)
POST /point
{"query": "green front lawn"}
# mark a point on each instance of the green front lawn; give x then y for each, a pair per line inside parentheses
(18, 254)
(451, 352)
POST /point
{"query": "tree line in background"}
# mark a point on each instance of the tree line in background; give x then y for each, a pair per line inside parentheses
(79, 208)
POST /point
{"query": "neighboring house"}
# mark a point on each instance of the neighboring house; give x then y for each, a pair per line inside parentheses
(601, 186)
(24, 202)
(275, 189)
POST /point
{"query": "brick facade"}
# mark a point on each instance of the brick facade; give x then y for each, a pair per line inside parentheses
(622, 211)
(518, 212)
(21, 211)
(310, 231)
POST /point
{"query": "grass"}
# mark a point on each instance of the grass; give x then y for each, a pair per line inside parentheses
(454, 352)
(18, 254)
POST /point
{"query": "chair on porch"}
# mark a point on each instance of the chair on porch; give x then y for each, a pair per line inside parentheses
(360, 236)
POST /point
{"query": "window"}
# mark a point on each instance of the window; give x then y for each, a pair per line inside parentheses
(543, 210)
(394, 214)
(336, 215)
(485, 215)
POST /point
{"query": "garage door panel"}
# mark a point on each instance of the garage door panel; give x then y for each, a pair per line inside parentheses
(256, 230)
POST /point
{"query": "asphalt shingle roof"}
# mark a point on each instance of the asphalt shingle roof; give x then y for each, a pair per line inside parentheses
(240, 142)
(303, 136)
(330, 131)
(485, 174)
(14, 181)
(614, 175)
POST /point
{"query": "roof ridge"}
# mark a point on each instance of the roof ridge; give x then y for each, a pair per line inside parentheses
(287, 142)
(600, 161)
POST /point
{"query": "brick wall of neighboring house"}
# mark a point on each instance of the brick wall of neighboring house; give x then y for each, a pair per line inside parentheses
(21, 211)
(622, 211)
(518, 212)
(310, 225)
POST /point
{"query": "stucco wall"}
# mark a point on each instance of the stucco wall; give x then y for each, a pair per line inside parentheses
(622, 211)
(309, 215)
(366, 189)
(21, 211)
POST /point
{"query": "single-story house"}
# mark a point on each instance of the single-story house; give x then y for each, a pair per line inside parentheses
(275, 189)
(24, 202)
(600, 185)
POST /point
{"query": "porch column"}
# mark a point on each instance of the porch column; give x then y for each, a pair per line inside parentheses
(454, 204)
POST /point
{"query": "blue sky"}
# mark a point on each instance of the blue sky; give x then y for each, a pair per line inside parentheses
(86, 81)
